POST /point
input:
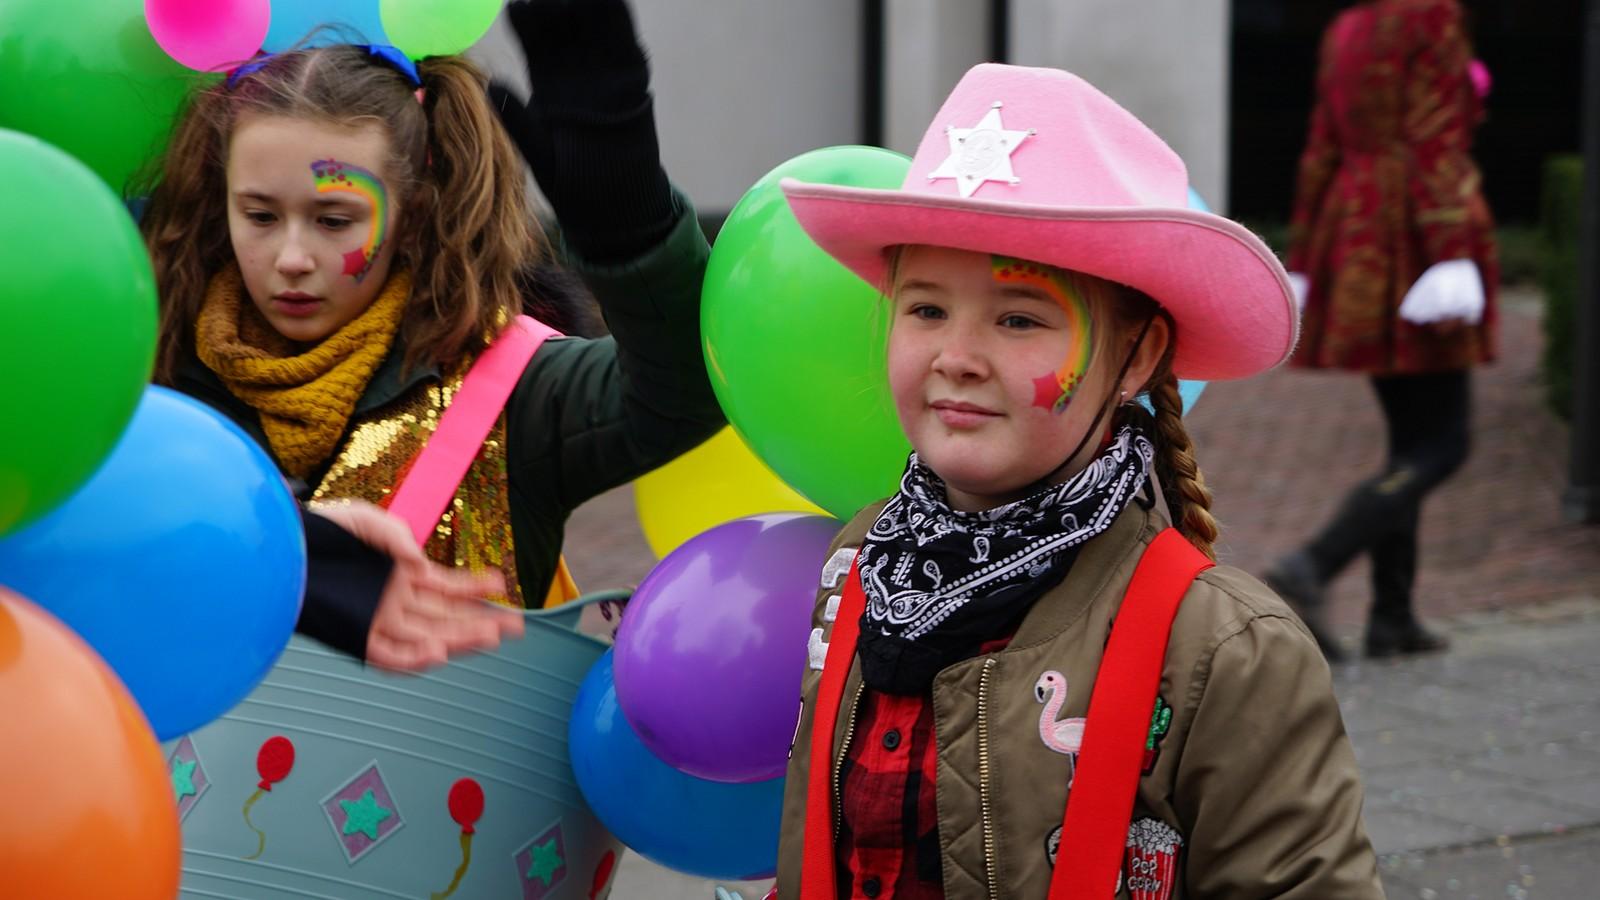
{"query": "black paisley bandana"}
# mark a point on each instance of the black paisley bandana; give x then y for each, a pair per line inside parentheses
(939, 582)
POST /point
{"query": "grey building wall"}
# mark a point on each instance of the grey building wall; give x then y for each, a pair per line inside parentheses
(929, 44)
(742, 85)
(1166, 61)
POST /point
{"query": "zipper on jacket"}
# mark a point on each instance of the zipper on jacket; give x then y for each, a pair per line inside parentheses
(838, 764)
(983, 779)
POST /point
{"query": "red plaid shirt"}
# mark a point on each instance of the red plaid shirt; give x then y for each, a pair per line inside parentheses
(888, 846)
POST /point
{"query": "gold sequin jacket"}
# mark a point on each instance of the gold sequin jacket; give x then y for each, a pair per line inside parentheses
(586, 416)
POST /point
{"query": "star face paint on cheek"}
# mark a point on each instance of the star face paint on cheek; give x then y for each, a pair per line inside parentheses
(1054, 390)
(334, 176)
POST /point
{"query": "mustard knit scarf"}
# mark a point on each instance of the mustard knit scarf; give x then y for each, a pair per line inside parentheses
(305, 399)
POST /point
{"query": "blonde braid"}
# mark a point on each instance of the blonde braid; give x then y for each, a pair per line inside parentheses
(1175, 465)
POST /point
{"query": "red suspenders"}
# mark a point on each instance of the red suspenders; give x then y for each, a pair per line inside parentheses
(1095, 826)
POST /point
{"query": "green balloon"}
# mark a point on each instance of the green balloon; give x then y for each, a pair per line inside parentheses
(77, 325)
(795, 343)
(437, 27)
(87, 76)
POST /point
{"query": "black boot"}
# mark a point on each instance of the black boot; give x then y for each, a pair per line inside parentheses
(1392, 628)
(1397, 639)
(1296, 579)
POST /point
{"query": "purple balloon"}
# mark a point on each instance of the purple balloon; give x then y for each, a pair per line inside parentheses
(713, 645)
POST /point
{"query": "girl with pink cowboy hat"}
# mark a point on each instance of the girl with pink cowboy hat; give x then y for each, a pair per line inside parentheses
(1028, 678)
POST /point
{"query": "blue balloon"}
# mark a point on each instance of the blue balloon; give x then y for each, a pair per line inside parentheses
(182, 562)
(706, 828)
(1191, 390)
(354, 21)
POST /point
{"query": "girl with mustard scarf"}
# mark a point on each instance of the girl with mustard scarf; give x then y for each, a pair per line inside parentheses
(339, 232)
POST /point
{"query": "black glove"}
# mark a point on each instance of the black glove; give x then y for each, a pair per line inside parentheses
(344, 584)
(588, 132)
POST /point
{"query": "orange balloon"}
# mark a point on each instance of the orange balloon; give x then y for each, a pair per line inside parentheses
(87, 807)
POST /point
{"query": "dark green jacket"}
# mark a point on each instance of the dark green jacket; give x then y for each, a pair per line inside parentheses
(587, 415)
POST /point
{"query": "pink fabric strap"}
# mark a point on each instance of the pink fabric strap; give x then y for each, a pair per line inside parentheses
(429, 486)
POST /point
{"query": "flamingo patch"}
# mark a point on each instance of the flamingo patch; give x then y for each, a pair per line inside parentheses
(1064, 736)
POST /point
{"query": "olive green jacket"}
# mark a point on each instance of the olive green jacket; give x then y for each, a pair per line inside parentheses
(1254, 771)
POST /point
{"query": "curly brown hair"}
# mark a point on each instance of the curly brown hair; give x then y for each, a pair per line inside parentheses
(464, 228)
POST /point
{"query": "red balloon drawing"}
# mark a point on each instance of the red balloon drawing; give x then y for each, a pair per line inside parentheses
(274, 760)
(466, 806)
(466, 803)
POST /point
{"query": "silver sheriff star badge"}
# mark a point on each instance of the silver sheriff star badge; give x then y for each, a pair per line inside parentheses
(981, 153)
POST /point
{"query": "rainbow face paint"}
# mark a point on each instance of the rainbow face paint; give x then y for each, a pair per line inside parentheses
(1053, 391)
(333, 176)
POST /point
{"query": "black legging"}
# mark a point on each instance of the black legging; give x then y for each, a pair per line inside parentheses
(1429, 439)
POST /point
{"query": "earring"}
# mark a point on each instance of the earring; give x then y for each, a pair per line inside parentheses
(1124, 396)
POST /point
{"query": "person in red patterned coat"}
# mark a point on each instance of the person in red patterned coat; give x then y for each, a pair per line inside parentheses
(1392, 256)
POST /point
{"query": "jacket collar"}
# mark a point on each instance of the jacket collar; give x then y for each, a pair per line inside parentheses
(390, 382)
(1104, 567)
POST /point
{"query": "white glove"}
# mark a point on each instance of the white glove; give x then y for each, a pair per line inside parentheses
(1301, 285)
(1452, 289)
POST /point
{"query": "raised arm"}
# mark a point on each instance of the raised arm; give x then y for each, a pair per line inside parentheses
(589, 415)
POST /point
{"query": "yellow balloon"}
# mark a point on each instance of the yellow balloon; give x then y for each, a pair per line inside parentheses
(716, 482)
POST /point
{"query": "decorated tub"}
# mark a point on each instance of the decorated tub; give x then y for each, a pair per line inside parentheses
(332, 780)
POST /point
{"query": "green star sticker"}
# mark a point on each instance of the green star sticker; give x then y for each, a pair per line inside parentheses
(182, 779)
(364, 815)
(545, 862)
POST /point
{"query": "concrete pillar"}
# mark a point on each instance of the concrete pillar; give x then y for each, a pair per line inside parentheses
(1166, 61)
(929, 45)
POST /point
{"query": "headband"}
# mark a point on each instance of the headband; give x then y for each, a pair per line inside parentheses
(387, 53)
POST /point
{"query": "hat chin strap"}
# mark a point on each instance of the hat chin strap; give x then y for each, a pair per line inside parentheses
(1105, 405)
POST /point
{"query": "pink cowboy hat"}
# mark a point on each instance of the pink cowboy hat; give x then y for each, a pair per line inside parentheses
(1038, 164)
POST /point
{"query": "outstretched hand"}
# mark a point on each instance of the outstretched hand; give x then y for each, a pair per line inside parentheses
(585, 66)
(428, 612)
(583, 56)
(588, 129)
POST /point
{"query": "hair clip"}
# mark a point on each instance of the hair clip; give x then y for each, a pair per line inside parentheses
(388, 53)
(253, 65)
(396, 58)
